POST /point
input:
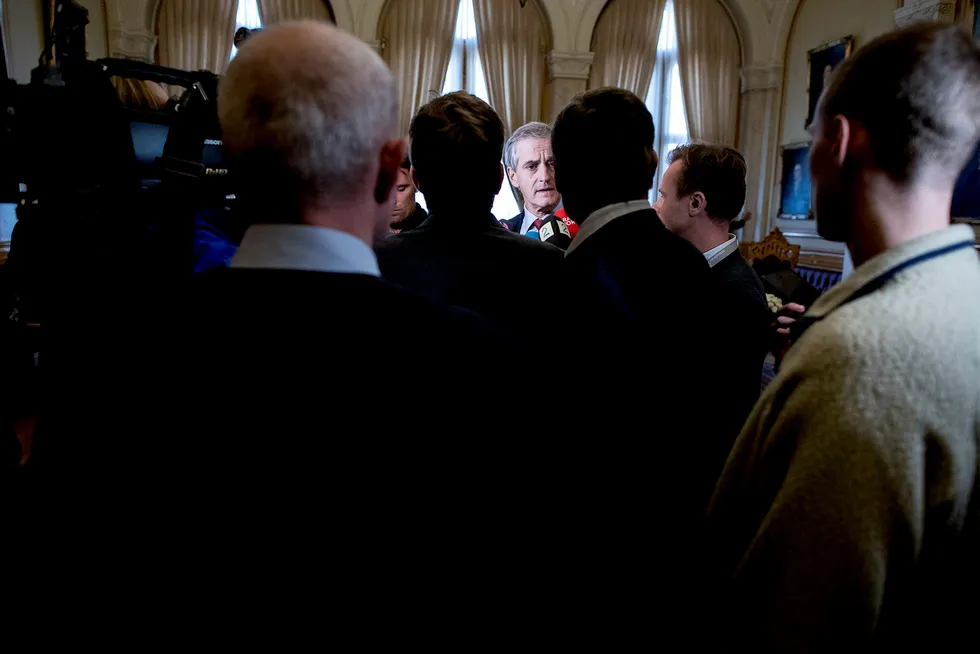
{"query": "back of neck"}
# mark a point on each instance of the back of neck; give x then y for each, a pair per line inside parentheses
(887, 215)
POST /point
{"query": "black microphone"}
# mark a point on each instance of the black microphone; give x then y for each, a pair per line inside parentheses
(555, 232)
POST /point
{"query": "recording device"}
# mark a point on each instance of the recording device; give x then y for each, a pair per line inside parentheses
(555, 232)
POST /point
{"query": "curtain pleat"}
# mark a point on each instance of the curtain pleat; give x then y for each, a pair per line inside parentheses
(513, 42)
(196, 35)
(625, 45)
(418, 42)
(709, 57)
(280, 11)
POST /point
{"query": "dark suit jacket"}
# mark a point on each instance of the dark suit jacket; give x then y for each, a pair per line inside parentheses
(473, 262)
(261, 352)
(309, 425)
(744, 323)
(514, 224)
(639, 302)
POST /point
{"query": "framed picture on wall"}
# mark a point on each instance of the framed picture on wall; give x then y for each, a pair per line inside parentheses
(821, 62)
(795, 185)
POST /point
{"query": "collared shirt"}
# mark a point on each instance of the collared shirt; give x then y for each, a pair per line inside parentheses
(716, 254)
(529, 218)
(305, 247)
(602, 217)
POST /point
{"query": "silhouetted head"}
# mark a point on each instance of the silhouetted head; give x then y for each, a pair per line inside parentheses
(603, 145)
(456, 144)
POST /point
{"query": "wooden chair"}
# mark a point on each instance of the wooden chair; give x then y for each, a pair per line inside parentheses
(773, 245)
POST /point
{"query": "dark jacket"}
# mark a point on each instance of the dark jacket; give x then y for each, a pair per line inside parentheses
(638, 301)
(473, 262)
(743, 323)
(514, 224)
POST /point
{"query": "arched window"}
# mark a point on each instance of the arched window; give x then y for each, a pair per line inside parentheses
(665, 100)
(251, 13)
(247, 16)
(465, 73)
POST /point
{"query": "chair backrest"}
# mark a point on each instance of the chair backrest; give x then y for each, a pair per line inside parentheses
(773, 245)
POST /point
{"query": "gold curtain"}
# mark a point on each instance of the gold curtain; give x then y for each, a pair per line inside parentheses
(418, 41)
(625, 45)
(513, 42)
(280, 11)
(709, 57)
(196, 35)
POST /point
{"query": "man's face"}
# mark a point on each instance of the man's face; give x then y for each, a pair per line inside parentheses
(828, 188)
(535, 175)
(674, 210)
(404, 197)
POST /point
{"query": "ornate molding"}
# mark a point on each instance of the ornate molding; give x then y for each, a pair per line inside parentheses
(915, 11)
(570, 65)
(761, 78)
(131, 43)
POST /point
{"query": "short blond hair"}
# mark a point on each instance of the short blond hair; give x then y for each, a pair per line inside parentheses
(305, 109)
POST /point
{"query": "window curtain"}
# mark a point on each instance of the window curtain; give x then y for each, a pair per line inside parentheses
(513, 43)
(418, 41)
(709, 58)
(280, 11)
(196, 35)
(625, 45)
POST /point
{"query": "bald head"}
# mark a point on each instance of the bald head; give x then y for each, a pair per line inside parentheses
(308, 114)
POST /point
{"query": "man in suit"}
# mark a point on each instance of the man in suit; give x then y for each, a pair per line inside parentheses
(629, 275)
(461, 255)
(640, 366)
(531, 169)
(701, 193)
(848, 515)
(262, 408)
(407, 214)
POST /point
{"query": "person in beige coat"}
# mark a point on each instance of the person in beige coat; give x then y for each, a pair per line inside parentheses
(848, 514)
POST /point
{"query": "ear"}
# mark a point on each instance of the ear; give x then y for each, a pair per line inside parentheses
(697, 204)
(841, 135)
(512, 176)
(390, 160)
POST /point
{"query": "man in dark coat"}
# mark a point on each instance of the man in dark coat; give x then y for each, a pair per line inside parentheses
(701, 193)
(461, 254)
(636, 293)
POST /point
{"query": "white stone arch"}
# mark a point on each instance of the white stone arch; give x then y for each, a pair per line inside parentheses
(784, 29)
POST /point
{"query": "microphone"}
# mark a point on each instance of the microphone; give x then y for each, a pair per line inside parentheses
(555, 232)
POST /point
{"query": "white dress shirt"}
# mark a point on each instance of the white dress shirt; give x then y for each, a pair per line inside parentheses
(602, 217)
(716, 254)
(304, 247)
(529, 218)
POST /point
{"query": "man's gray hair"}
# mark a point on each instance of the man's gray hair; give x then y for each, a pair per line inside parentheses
(529, 131)
(305, 110)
